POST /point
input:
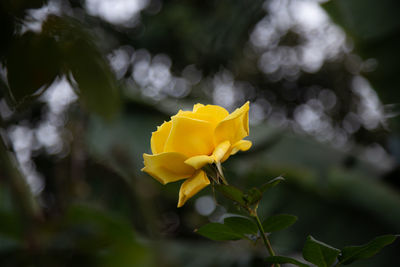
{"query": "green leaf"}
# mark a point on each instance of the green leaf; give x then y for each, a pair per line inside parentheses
(282, 259)
(33, 63)
(92, 76)
(253, 196)
(352, 253)
(241, 225)
(218, 232)
(278, 222)
(232, 193)
(271, 184)
(319, 253)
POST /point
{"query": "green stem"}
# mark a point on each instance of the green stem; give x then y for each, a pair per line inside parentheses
(267, 243)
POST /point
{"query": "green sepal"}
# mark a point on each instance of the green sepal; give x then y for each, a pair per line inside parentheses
(319, 253)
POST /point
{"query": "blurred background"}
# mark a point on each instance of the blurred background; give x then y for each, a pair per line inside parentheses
(84, 83)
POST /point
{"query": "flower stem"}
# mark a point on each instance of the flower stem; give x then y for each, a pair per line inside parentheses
(21, 192)
(267, 243)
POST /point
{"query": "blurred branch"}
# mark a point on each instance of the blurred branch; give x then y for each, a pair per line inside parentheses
(22, 194)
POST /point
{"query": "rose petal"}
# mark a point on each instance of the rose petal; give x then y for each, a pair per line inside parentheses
(220, 150)
(198, 162)
(210, 113)
(167, 167)
(159, 137)
(192, 186)
(234, 127)
(242, 145)
(196, 106)
(190, 137)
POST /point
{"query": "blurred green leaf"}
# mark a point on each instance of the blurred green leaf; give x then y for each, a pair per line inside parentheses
(241, 225)
(352, 253)
(282, 259)
(278, 222)
(190, 33)
(352, 13)
(97, 86)
(218, 232)
(100, 222)
(33, 62)
(319, 253)
(109, 237)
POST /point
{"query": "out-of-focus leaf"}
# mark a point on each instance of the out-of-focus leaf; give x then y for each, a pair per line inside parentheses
(319, 253)
(97, 87)
(278, 222)
(241, 225)
(282, 259)
(31, 64)
(120, 144)
(100, 222)
(376, 37)
(352, 253)
(218, 232)
(181, 31)
(384, 12)
(110, 238)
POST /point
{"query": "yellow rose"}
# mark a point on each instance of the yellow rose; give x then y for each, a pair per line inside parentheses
(190, 140)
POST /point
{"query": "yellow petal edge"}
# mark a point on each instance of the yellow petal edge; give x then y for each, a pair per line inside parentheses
(192, 186)
(167, 167)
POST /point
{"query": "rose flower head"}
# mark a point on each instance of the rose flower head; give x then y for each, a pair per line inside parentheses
(192, 139)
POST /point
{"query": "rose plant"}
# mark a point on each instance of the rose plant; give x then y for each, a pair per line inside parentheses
(191, 147)
(192, 139)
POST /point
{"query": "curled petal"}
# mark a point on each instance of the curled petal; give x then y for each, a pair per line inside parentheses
(197, 106)
(167, 167)
(192, 186)
(221, 150)
(159, 137)
(242, 145)
(190, 137)
(234, 127)
(198, 162)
